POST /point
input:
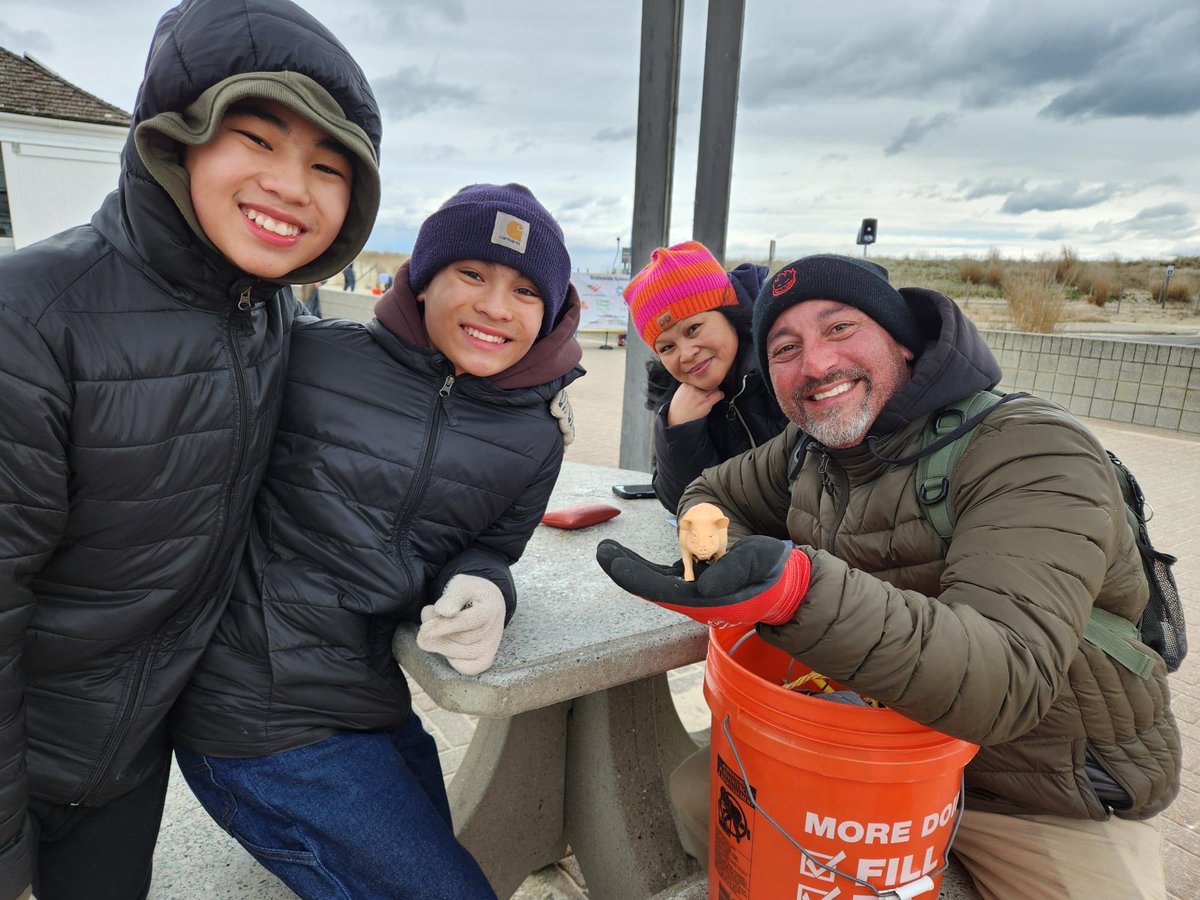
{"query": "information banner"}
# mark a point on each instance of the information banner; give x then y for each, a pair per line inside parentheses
(604, 308)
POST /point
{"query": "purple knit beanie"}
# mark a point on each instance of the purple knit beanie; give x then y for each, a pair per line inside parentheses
(496, 223)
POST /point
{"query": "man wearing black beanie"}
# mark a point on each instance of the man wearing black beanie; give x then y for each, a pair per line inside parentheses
(886, 338)
(978, 634)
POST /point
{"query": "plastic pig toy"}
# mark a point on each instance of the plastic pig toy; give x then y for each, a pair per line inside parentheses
(703, 535)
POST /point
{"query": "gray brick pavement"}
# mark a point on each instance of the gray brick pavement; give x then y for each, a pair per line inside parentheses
(1168, 466)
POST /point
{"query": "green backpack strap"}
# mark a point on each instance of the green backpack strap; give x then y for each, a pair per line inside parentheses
(1112, 634)
(1109, 632)
(933, 469)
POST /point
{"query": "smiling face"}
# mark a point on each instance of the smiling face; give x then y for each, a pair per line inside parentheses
(482, 316)
(834, 369)
(271, 189)
(699, 350)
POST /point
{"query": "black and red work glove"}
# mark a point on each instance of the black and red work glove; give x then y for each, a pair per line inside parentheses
(760, 579)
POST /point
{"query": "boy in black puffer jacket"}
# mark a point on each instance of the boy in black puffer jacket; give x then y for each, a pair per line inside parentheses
(414, 459)
(142, 359)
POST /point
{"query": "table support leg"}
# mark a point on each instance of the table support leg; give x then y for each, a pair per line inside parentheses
(621, 746)
(508, 812)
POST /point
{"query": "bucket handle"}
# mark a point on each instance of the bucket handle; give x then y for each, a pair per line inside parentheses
(900, 892)
(736, 645)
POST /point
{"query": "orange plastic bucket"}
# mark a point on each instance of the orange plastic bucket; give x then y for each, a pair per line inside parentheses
(870, 796)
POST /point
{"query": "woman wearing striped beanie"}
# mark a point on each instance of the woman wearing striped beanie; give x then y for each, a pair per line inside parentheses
(710, 399)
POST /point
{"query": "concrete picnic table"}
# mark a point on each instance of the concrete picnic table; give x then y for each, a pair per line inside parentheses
(577, 730)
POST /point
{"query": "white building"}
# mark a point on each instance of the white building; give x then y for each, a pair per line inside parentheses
(60, 151)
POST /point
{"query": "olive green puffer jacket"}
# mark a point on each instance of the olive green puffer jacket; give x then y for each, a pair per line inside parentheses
(979, 638)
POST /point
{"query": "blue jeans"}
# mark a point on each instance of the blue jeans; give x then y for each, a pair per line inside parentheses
(358, 816)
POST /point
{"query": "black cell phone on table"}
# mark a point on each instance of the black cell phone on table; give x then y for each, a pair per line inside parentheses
(634, 491)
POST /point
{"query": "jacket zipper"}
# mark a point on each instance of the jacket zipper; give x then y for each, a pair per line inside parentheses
(244, 418)
(733, 412)
(1095, 757)
(128, 710)
(839, 489)
(131, 702)
(437, 410)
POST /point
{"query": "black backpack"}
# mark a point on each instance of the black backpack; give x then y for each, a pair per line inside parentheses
(1161, 627)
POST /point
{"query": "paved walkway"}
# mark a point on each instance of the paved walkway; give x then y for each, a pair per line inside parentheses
(196, 859)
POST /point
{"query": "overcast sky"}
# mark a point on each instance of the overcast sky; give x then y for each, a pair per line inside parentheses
(961, 125)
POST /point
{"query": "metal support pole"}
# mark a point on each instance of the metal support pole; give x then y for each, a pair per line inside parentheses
(658, 101)
(718, 120)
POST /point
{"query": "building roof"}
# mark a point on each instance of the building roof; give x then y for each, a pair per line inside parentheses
(28, 88)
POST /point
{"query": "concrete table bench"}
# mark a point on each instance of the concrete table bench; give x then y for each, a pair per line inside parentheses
(577, 727)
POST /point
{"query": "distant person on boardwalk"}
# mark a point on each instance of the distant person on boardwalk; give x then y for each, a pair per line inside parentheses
(348, 278)
(980, 635)
(310, 296)
(142, 361)
(415, 457)
(710, 400)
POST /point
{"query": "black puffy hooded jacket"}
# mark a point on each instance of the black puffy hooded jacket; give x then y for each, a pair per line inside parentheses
(140, 380)
(389, 477)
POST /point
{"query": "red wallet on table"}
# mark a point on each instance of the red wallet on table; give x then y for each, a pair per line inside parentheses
(579, 516)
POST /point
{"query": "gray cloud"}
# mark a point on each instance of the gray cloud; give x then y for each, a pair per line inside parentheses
(1166, 220)
(19, 42)
(391, 17)
(916, 130)
(1153, 74)
(1173, 180)
(1156, 97)
(1016, 47)
(1104, 59)
(977, 188)
(594, 203)
(1053, 233)
(406, 92)
(440, 152)
(1056, 196)
(615, 134)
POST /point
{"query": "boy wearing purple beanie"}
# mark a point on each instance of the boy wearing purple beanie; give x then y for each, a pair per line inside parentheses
(415, 456)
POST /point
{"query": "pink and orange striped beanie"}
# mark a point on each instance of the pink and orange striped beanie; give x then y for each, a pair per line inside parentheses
(678, 282)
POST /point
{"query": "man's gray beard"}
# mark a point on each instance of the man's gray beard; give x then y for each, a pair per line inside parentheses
(840, 431)
(844, 428)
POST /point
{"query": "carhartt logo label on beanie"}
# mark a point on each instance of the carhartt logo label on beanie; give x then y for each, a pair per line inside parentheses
(509, 231)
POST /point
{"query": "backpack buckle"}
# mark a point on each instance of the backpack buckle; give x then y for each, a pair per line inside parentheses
(947, 420)
(933, 490)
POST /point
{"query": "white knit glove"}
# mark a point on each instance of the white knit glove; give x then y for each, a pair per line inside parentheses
(560, 408)
(465, 624)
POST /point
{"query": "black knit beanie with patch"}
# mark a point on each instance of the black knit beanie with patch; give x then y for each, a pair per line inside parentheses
(856, 282)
